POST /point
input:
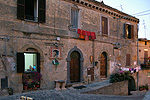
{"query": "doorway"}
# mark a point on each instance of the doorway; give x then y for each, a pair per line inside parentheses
(75, 67)
(103, 65)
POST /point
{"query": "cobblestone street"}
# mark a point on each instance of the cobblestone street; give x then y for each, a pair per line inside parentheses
(72, 95)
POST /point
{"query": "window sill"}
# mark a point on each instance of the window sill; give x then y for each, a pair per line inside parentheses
(59, 58)
(106, 35)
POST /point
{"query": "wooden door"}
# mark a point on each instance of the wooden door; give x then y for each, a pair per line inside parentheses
(75, 67)
(145, 57)
(103, 66)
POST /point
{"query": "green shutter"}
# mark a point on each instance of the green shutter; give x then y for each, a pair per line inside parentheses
(42, 11)
(20, 62)
(20, 9)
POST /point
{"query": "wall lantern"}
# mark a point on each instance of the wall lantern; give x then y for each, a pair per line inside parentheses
(91, 58)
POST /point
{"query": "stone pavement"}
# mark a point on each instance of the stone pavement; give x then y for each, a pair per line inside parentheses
(75, 94)
(147, 96)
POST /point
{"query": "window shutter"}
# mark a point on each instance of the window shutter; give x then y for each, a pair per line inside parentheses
(38, 62)
(20, 9)
(42, 11)
(106, 26)
(103, 26)
(124, 30)
(128, 60)
(132, 32)
(20, 62)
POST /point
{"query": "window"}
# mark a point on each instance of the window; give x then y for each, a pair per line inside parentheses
(33, 10)
(128, 63)
(148, 74)
(128, 31)
(28, 62)
(104, 26)
(74, 17)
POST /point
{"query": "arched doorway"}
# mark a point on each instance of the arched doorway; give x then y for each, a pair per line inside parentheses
(75, 67)
(131, 84)
(103, 65)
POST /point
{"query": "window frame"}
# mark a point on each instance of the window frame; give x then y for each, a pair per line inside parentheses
(130, 30)
(40, 11)
(105, 30)
(21, 62)
(76, 9)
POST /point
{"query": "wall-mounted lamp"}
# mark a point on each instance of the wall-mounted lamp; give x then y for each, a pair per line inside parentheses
(58, 38)
(91, 58)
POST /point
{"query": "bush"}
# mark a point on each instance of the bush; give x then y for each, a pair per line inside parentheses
(118, 77)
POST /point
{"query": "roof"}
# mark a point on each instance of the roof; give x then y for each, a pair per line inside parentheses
(111, 8)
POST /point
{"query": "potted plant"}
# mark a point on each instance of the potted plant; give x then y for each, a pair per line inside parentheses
(25, 86)
(37, 85)
(29, 86)
(36, 77)
(33, 83)
(140, 87)
(25, 81)
(146, 87)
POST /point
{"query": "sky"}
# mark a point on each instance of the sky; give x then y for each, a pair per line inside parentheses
(137, 8)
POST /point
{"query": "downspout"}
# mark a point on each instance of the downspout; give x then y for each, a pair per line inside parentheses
(137, 56)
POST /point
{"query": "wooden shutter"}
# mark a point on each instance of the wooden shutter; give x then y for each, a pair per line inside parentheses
(20, 62)
(128, 60)
(20, 9)
(103, 25)
(124, 31)
(42, 11)
(38, 62)
(132, 32)
(106, 26)
(145, 57)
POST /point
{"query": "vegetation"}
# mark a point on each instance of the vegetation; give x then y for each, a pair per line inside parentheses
(120, 76)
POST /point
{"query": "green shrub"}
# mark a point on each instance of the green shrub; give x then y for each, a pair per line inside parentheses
(118, 77)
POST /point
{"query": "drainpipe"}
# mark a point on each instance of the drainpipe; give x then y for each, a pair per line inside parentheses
(93, 52)
(137, 62)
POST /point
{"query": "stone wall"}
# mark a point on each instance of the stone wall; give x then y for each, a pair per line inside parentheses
(119, 88)
(27, 34)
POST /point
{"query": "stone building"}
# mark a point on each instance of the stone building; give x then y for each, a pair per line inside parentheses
(144, 59)
(78, 41)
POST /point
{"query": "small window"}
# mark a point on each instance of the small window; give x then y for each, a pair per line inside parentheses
(148, 74)
(104, 26)
(129, 31)
(74, 17)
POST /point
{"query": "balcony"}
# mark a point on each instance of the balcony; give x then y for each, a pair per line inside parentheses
(145, 66)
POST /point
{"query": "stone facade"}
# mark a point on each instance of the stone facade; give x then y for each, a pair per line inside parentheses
(20, 35)
(144, 77)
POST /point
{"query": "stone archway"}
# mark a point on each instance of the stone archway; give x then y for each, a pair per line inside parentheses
(24, 48)
(131, 84)
(81, 60)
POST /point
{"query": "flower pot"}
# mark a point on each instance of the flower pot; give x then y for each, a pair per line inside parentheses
(25, 87)
(38, 86)
(34, 88)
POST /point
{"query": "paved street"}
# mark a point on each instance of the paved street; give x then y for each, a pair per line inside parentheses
(72, 95)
